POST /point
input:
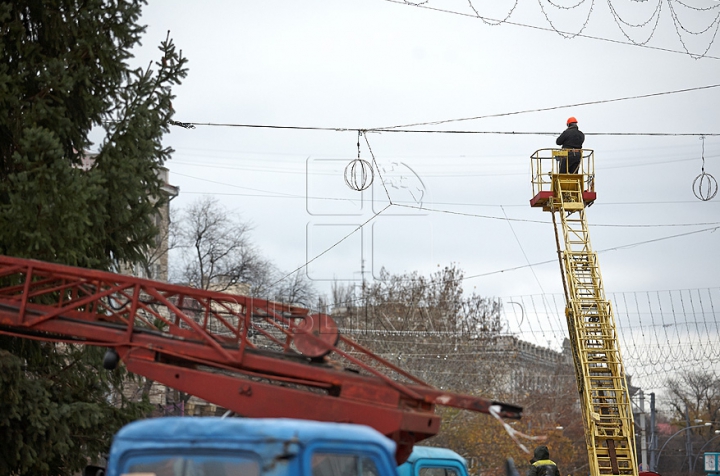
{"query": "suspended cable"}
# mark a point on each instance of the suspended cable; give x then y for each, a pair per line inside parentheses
(440, 131)
(359, 227)
(615, 248)
(552, 108)
(400, 128)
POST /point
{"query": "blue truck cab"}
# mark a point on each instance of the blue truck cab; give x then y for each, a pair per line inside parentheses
(428, 461)
(210, 446)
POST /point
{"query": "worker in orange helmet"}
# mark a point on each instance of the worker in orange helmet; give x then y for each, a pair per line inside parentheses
(572, 139)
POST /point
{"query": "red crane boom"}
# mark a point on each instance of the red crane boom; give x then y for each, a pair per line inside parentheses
(255, 357)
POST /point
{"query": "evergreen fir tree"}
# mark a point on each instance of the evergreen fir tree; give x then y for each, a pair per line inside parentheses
(63, 71)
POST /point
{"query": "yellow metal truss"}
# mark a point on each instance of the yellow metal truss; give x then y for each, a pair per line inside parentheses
(604, 394)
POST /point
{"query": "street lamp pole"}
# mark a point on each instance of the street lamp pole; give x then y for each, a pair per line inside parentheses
(643, 434)
(657, 458)
(704, 446)
(653, 433)
(688, 442)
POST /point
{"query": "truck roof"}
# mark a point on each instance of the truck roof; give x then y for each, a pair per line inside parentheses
(166, 430)
(430, 452)
(428, 456)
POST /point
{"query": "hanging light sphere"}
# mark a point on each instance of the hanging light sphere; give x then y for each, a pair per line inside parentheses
(359, 175)
(705, 187)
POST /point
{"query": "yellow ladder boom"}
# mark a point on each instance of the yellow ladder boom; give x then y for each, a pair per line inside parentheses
(604, 393)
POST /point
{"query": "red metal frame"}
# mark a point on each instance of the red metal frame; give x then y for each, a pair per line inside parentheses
(541, 198)
(235, 351)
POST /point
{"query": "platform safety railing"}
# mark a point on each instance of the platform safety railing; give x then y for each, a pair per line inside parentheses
(545, 164)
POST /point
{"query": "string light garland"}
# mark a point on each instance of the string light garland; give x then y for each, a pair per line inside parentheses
(493, 22)
(620, 22)
(663, 334)
(679, 26)
(560, 32)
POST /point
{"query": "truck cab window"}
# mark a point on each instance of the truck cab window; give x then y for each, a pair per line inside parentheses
(335, 464)
(200, 465)
(437, 471)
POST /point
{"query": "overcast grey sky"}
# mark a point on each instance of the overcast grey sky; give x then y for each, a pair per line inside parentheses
(363, 64)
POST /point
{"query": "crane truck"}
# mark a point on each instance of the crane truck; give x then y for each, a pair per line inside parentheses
(311, 392)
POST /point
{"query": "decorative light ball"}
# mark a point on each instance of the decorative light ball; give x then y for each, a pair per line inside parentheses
(359, 175)
(705, 187)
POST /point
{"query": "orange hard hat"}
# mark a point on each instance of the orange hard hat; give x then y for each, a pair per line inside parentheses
(570, 120)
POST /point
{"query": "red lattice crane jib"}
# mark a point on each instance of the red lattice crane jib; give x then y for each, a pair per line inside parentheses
(255, 357)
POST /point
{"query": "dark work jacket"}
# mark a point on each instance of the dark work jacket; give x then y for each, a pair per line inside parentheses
(542, 465)
(571, 138)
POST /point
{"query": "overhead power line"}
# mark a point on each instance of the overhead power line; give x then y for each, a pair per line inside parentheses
(552, 108)
(614, 248)
(438, 131)
(403, 127)
(554, 133)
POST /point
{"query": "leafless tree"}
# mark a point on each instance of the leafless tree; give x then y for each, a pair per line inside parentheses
(426, 326)
(343, 296)
(699, 393)
(412, 302)
(295, 288)
(217, 251)
(276, 285)
(692, 397)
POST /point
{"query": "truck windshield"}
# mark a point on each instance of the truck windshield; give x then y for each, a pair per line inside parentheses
(334, 464)
(191, 465)
(438, 471)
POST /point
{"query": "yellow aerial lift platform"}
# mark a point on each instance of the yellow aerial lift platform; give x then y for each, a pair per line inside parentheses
(604, 393)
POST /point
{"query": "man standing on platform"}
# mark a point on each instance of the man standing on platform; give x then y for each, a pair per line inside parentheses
(571, 139)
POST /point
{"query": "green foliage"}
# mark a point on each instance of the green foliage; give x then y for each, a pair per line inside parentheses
(56, 411)
(63, 71)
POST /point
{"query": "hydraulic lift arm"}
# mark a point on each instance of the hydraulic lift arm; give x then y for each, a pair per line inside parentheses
(601, 380)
